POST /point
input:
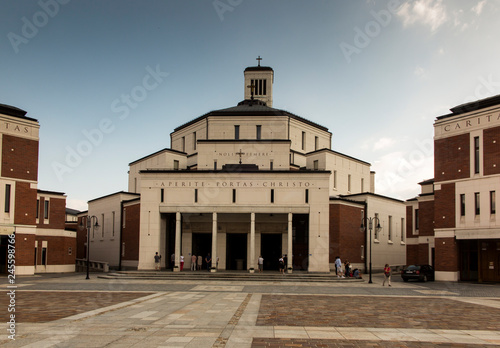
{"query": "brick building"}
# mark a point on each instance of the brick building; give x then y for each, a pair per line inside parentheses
(245, 181)
(36, 217)
(453, 224)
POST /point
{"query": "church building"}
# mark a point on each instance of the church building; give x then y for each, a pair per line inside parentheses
(248, 181)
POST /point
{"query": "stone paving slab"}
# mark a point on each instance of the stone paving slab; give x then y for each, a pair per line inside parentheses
(385, 312)
(313, 343)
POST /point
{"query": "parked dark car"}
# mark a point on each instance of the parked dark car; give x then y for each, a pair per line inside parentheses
(422, 273)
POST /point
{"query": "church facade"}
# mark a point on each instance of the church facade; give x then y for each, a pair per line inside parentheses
(248, 181)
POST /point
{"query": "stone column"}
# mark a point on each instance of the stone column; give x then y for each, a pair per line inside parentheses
(290, 246)
(213, 267)
(177, 265)
(252, 243)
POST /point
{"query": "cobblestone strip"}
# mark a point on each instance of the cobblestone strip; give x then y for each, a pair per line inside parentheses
(221, 341)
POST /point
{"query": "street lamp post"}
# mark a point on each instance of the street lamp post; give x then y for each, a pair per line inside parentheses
(363, 227)
(89, 225)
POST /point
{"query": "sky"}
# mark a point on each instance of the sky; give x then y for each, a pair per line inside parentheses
(108, 81)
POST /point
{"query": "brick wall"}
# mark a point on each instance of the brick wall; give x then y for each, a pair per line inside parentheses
(445, 206)
(411, 254)
(446, 255)
(491, 151)
(452, 158)
(130, 233)
(345, 236)
(25, 206)
(57, 250)
(423, 253)
(426, 218)
(25, 249)
(19, 158)
(57, 213)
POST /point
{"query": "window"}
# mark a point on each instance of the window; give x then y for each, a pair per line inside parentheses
(7, 198)
(46, 210)
(102, 225)
(234, 195)
(183, 144)
(362, 185)
(462, 205)
(44, 256)
(258, 132)
(37, 208)
(196, 195)
(416, 220)
(236, 132)
(307, 195)
(260, 86)
(162, 195)
(376, 222)
(271, 165)
(194, 140)
(349, 182)
(334, 179)
(402, 229)
(123, 217)
(272, 195)
(476, 155)
(477, 206)
(316, 143)
(176, 165)
(215, 165)
(303, 140)
(113, 224)
(492, 202)
(315, 165)
(389, 236)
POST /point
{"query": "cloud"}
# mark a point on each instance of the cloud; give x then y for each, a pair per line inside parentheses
(479, 7)
(431, 13)
(419, 71)
(383, 143)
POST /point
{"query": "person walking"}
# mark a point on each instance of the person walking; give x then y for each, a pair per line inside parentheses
(193, 262)
(261, 264)
(157, 261)
(338, 266)
(387, 275)
(182, 262)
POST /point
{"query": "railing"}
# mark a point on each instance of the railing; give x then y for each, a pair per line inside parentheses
(99, 266)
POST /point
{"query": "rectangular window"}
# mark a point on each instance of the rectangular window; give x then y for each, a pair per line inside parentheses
(124, 217)
(236, 132)
(362, 185)
(215, 165)
(303, 140)
(334, 179)
(37, 208)
(271, 165)
(264, 85)
(492, 203)
(389, 233)
(194, 140)
(477, 206)
(46, 210)
(113, 224)
(416, 220)
(36, 254)
(234, 195)
(162, 195)
(272, 195)
(196, 195)
(376, 221)
(183, 144)
(307, 195)
(316, 143)
(102, 225)
(402, 229)
(44, 256)
(315, 165)
(476, 155)
(462, 204)
(349, 182)
(258, 131)
(176, 165)
(7, 198)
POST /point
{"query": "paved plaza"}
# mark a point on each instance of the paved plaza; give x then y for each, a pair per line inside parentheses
(70, 311)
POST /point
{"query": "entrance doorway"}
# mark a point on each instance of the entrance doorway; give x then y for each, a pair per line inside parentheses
(202, 245)
(300, 227)
(271, 249)
(3, 254)
(236, 251)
